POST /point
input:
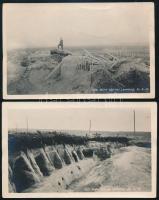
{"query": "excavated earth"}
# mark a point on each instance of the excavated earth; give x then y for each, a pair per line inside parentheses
(128, 170)
(45, 73)
(79, 168)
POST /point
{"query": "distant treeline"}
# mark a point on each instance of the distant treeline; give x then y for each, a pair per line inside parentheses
(20, 141)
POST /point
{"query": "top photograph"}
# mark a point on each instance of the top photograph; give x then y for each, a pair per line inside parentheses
(78, 50)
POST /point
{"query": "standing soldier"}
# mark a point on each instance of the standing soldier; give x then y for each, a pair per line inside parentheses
(60, 45)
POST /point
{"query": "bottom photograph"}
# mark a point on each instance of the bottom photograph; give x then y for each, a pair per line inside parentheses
(79, 149)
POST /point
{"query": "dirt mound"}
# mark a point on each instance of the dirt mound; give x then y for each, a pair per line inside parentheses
(24, 174)
(80, 154)
(60, 181)
(57, 161)
(64, 72)
(127, 171)
(102, 153)
(64, 163)
(77, 73)
(69, 150)
(44, 164)
(75, 76)
(21, 86)
(75, 156)
(67, 157)
(134, 78)
(33, 163)
(54, 158)
(133, 74)
(102, 79)
(58, 55)
(11, 186)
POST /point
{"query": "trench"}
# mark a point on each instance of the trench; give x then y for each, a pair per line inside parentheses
(31, 170)
(127, 170)
(41, 162)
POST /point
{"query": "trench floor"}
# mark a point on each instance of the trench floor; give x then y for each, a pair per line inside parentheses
(128, 170)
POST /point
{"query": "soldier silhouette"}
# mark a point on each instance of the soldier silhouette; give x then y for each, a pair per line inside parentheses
(60, 45)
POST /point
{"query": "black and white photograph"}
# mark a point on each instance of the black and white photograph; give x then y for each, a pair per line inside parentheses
(78, 50)
(79, 149)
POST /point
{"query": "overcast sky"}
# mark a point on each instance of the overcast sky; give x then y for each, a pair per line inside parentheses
(103, 119)
(41, 25)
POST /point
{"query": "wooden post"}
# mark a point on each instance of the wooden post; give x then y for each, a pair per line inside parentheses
(134, 123)
(16, 128)
(27, 124)
(89, 126)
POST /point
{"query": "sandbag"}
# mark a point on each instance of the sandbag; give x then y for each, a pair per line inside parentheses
(69, 150)
(44, 164)
(50, 156)
(67, 157)
(10, 173)
(54, 158)
(33, 163)
(11, 187)
(88, 152)
(60, 150)
(49, 153)
(102, 153)
(109, 149)
(75, 156)
(11, 184)
(80, 154)
(57, 161)
(23, 173)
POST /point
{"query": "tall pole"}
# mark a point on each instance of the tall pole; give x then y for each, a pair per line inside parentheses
(16, 128)
(27, 124)
(134, 122)
(89, 126)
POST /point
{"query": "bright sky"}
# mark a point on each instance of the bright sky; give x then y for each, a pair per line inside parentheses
(41, 25)
(103, 119)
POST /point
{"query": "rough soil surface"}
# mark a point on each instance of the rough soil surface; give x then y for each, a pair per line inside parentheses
(60, 179)
(129, 170)
(38, 72)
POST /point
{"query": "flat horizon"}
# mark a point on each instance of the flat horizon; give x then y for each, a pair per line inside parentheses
(82, 46)
(84, 131)
(77, 24)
